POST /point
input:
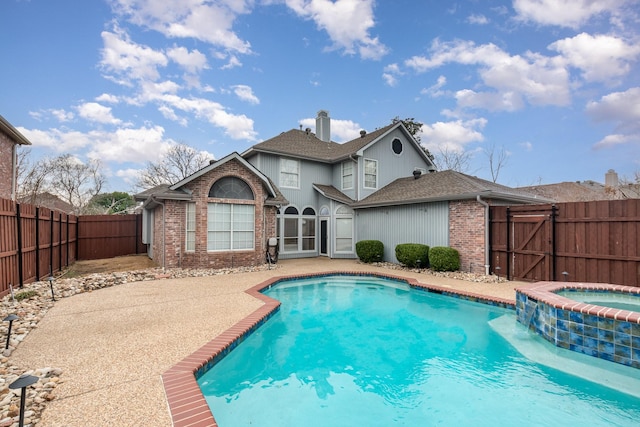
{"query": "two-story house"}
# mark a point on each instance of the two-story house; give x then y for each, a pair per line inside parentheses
(318, 198)
(10, 138)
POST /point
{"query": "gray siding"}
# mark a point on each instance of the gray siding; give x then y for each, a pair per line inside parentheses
(426, 223)
(391, 166)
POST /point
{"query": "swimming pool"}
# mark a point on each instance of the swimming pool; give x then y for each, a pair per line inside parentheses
(345, 351)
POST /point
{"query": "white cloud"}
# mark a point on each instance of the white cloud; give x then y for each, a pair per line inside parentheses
(538, 79)
(108, 98)
(128, 60)
(204, 20)
(232, 63)
(61, 115)
(58, 140)
(434, 90)
(391, 73)
(600, 57)
(95, 112)
(129, 145)
(193, 62)
(347, 22)
(477, 19)
(129, 175)
(564, 13)
(245, 93)
(526, 145)
(452, 136)
(623, 109)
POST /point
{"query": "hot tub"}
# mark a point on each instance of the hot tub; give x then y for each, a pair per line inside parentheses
(597, 319)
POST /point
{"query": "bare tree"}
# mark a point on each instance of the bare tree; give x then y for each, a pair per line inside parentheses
(498, 159)
(178, 163)
(65, 177)
(458, 161)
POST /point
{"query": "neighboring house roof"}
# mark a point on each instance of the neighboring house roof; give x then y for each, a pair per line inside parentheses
(442, 186)
(305, 145)
(331, 192)
(572, 191)
(178, 192)
(13, 133)
(48, 200)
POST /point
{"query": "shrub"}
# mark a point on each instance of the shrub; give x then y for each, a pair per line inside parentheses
(443, 258)
(370, 250)
(410, 253)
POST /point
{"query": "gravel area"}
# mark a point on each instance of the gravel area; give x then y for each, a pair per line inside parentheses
(98, 351)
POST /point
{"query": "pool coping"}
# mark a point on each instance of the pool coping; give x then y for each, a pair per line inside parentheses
(186, 403)
(546, 292)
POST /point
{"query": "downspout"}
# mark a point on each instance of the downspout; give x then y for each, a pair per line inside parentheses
(14, 176)
(164, 221)
(486, 233)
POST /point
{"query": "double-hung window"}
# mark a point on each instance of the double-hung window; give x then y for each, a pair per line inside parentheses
(370, 173)
(289, 173)
(347, 175)
(191, 227)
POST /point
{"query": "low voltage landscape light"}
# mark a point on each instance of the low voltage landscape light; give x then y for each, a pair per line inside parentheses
(23, 382)
(10, 318)
(53, 296)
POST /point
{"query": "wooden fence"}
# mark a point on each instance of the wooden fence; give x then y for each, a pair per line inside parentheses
(36, 242)
(595, 241)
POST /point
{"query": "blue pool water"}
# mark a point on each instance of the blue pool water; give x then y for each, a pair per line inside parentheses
(360, 351)
(623, 301)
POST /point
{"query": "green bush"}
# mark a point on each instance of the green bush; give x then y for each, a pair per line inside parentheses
(370, 250)
(410, 253)
(443, 258)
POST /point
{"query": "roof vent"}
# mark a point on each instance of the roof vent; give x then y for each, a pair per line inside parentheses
(212, 161)
(363, 133)
(307, 131)
(416, 174)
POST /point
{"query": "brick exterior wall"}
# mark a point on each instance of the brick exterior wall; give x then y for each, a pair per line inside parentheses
(175, 251)
(466, 234)
(6, 166)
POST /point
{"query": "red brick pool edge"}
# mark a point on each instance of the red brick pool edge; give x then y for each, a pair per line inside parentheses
(188, 407)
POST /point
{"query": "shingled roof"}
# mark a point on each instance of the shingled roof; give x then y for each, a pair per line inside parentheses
(441, 186)
(305, 145)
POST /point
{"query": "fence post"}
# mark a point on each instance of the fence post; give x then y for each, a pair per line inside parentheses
(60, 240)
(554, 210)
(67, 246)
(508, 238)
(51, 244)
(19, 235)
(37, 243)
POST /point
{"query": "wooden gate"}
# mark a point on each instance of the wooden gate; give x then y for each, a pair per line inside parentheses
(522, 242)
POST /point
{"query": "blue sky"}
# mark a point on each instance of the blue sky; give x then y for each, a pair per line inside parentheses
(554, 83)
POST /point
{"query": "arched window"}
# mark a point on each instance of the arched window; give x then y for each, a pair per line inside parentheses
(299, 229)
(344, 229)
(230, 226)
(231, 187)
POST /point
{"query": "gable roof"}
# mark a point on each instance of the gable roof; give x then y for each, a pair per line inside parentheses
(305, 145)
(178, 192)
(13, 133)
(443, 186)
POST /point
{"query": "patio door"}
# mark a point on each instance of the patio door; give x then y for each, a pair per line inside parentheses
(324, 236)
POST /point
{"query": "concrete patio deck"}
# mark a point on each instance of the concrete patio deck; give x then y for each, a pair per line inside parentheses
(114, 344)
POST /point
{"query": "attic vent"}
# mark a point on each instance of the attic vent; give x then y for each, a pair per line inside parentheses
(417, 173)
(363, 133)
(307, 131)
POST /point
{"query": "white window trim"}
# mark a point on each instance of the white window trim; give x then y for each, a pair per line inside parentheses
(282, 162)
(187, 230)
(343, 175)
(232, 249)
(364, 173)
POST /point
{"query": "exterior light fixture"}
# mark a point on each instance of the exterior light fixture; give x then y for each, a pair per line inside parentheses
(565, 274)
(23, 382)
(10, 318)
(53, 296)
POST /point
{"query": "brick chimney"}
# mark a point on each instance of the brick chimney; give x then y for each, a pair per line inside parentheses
(323, 126)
